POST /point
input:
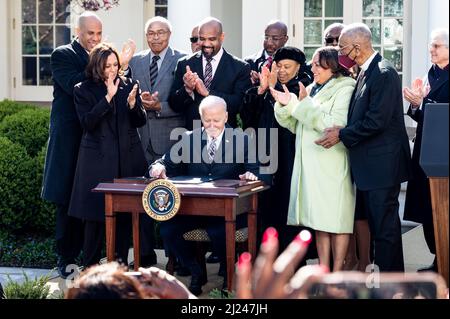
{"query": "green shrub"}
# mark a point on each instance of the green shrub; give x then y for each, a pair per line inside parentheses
(8, 107)
(31, 252)
(28, 128)
(28, 289)
(17, 187)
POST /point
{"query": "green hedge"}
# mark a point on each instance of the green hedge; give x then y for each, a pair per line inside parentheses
(8, 107)
(17, 186)
(28, 128)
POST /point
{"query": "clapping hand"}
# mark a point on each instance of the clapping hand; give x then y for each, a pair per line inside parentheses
(263, 80)
(273, 76)
(281, 97)
(132, 97)
(111, 86)
(416, 93)
(128, 50)
(303, 92)
(200, 87)
(151, 101)
(189, 79)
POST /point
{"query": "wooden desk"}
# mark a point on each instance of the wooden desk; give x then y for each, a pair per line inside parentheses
(214, 198)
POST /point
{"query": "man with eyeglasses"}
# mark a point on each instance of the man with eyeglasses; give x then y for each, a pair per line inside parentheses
(275, 37)
(211, 71)
(378, 145)
(154, 69)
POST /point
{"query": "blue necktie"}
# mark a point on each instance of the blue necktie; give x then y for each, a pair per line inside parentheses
(154, 70)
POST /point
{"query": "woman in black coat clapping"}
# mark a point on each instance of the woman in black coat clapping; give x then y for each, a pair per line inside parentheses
(110, 111)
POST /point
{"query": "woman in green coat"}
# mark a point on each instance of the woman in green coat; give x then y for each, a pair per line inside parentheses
(322, 194)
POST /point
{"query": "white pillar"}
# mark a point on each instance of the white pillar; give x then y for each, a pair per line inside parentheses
(123, 22)
(184, 15)
(5, 46)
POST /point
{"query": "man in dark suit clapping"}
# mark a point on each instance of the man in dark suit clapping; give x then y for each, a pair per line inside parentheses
(215, 151)
(212, 71)
(377, 141)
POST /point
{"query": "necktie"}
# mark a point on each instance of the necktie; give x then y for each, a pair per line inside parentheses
(154, 70)
(269, 61)
(208, 73)
(212, 149)
(360, 81)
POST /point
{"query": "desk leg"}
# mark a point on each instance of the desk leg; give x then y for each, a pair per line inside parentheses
(252, 222)
(230, 235)
(136, 242)
(110, 219)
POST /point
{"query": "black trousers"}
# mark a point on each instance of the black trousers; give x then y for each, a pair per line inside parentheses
(172, 234)
(94, 240)
(146, 235)
(381, 208)
(69, 235)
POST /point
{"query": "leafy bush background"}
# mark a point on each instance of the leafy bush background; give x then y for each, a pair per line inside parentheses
(26, 221)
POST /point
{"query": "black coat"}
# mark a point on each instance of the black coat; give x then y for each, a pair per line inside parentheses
(229, 167)
(231, 80)
(256, 61)
(375, 134)
(68, 63)
(258, 112)
(418, 197)
(110, 147)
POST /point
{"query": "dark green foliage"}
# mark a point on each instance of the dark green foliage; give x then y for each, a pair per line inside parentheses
(8, 107)
(17, 186)
(28, 128)
(28, 251)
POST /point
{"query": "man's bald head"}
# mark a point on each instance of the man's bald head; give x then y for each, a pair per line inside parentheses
(275, 36)
(211, 22)
(279, 25)
(332, 32)
(89, 30)
(356, 42)
(358, 33)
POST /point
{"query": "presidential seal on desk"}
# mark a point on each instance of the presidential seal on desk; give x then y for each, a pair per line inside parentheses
(161, 200)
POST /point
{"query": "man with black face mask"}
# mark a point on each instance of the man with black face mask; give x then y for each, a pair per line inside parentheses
(211, 71)
(377, 141)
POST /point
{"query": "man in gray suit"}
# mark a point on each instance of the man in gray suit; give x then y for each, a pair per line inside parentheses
(154, 69)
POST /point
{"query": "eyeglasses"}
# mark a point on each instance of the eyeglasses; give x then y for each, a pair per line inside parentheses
(330, 40)
(273, 38)
(193, 39)
(159, 33)
(436, 46)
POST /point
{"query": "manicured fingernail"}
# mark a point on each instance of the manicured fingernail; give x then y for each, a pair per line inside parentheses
(269, 234)
(304, 237)
(244, 259)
